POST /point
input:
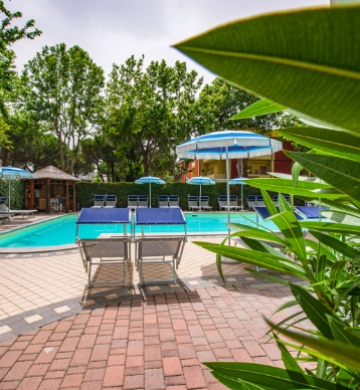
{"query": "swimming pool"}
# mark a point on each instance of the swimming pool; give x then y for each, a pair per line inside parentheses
(62, 230)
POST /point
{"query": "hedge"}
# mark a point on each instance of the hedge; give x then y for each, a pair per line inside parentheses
(17, 192)
(85, 192)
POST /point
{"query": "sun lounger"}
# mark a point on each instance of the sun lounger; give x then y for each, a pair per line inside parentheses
(234, 203)
(159, 250)
(193, 202)
(110, 201)
(143, 201)
(24, 213)
(251, 201)
(110, 251)
(264, 213)
(260, 201)
(310, 212)
(174, 201)
(204, 203)
(163, 201)
(4, 217)
(99, 201)
(132, 202)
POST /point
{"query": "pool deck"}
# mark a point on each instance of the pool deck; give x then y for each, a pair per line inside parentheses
(55, 333)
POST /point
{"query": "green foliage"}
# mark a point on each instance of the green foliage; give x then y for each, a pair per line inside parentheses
(63, 94)
(17, 192)
(272, 56)
(8, 35)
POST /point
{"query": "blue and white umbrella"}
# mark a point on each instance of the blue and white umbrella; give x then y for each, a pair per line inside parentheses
(227, 145)
(150, 180)
(242, 182)
(201, 181)
(14, 173)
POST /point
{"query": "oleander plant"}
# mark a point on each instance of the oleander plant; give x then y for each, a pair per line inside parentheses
(307, 63)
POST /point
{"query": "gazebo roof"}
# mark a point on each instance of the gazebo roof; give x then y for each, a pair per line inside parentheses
(52, 172)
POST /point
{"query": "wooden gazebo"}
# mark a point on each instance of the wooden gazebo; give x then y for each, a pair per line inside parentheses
(52, 191)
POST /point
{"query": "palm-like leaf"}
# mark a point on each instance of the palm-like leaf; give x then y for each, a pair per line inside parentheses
(274, 56)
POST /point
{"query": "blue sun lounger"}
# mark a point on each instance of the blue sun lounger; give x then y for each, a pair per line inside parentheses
(159, 249)
(264, 213)
(107, 251)
(310, 212)
(99, 201)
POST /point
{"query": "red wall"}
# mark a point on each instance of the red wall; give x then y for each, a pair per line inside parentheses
(282, 163)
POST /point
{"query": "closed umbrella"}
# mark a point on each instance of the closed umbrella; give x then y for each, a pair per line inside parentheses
(226, 145)
(14, 173)
(201, 181)
(150, 180)
(241, 181)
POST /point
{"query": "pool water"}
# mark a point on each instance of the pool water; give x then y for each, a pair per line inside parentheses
(62, 230)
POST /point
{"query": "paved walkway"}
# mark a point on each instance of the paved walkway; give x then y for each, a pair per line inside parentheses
(56, 333)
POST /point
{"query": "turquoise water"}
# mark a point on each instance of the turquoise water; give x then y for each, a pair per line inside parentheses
(62, 230)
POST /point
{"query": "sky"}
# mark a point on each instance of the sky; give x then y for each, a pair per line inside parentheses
(113, 30)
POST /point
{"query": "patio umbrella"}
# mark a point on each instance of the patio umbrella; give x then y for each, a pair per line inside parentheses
(226, 145)
(241, 181)
(201, 181)
(14, 173)
(150, 180)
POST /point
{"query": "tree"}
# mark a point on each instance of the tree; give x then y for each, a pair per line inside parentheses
(64, 96)
(148, 113)
(8, 35)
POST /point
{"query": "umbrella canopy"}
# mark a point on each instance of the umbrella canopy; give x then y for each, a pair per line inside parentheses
(150, 180)
(14, 173)
(242, 182)
(226, 145)
(201, 181)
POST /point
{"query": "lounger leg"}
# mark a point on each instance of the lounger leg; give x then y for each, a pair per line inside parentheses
(174, 269)
(141, 273)
(89, 274)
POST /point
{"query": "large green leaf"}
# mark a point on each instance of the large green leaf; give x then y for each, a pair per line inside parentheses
(271, 377)
(320, 249)
(306, 60)
(342, 217)
(262, 107)
(259, 259)
(289, 227)
(341, 333)
(306, 189)
(336, 244)
(331, 227)
(314, 309)
(329, 350)
(342, 174)
(269, 203)
(334, 142)
(241, 230)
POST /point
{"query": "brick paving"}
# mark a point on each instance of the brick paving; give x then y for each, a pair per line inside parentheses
(58, 334)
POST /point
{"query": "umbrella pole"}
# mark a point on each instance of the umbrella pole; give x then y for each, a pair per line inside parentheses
(9, 194)
(228, 189)
(150, 195)
(200, 199)
(242, 197)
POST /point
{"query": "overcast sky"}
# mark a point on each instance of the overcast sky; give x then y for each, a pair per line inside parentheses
(112, 30)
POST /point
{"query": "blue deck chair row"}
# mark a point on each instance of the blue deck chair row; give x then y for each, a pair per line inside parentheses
(104, 201)
(137, 201)
(258, 200)
(168, 201)
(195, 204)
(222, 200)
(114, 249)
